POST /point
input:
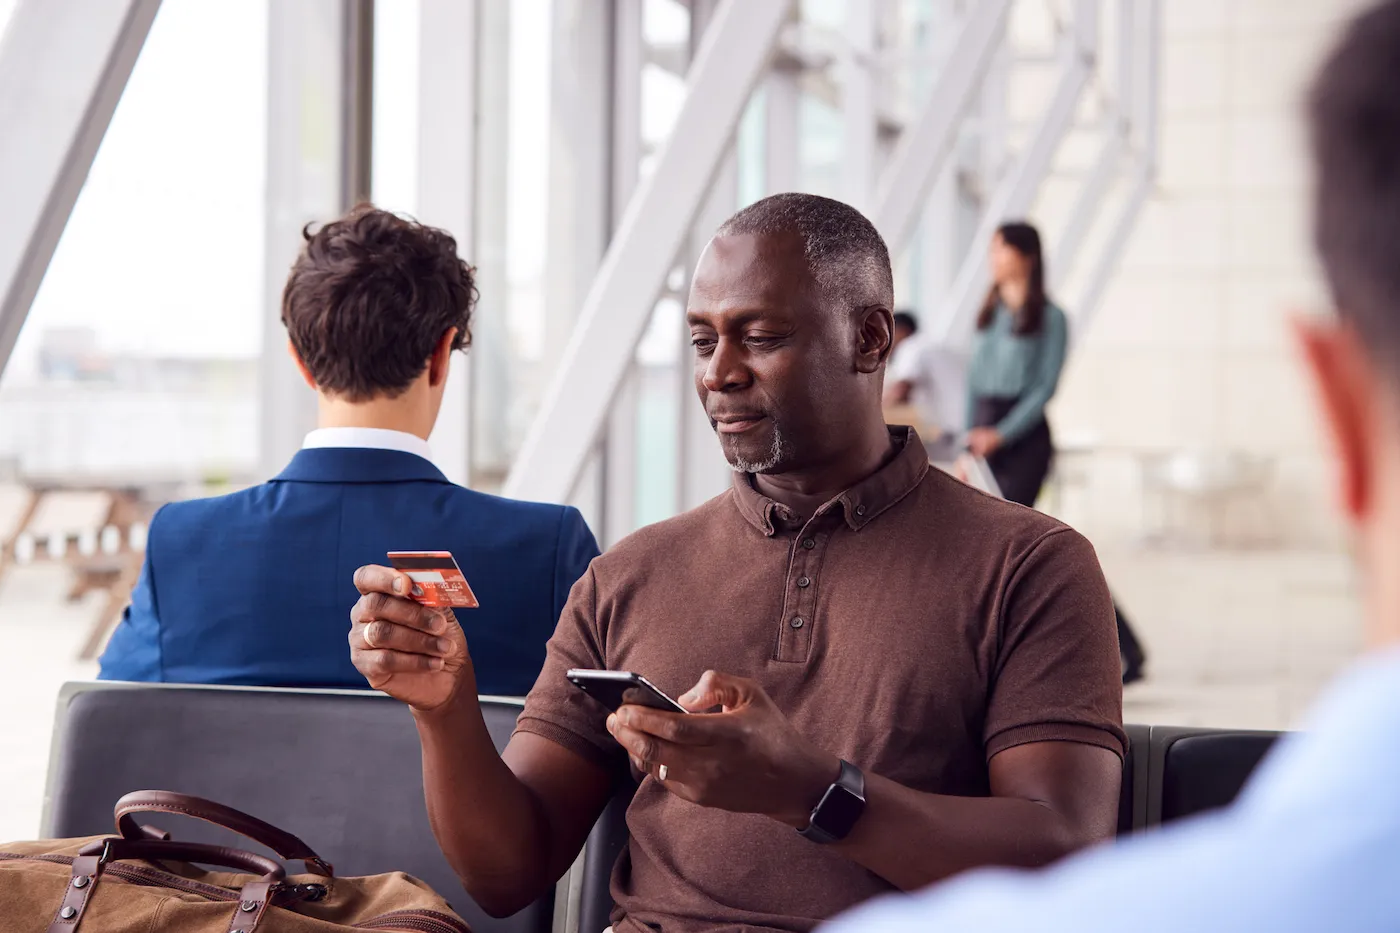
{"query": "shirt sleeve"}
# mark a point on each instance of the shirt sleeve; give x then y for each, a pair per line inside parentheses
(134, 651)
(1057, 675)
(557, 710)
(1049, 362)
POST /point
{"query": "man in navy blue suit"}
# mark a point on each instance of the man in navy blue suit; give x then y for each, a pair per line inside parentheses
(256, 587)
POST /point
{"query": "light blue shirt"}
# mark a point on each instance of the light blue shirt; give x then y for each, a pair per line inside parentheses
(1313, 844)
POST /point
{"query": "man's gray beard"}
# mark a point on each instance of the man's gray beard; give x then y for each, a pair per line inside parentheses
(776, 452)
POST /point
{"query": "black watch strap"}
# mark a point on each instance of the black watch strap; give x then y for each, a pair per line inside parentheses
(840, 807)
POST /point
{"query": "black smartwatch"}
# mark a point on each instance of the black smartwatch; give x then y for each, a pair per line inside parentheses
(840, 807)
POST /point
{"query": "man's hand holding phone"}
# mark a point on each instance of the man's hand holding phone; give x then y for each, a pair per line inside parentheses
(415, 653)
(747, 757)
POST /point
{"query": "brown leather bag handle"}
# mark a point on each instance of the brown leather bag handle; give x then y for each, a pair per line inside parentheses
(112, 849)
(163, 801)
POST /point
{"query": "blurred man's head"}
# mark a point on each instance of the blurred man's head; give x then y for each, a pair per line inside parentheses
(374, 306)
(905, 326)
(1354, 113)
(790, 316)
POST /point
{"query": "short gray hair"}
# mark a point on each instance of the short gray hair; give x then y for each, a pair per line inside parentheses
(845, 253)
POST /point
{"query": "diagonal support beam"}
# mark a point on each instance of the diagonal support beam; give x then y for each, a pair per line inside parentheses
(1088, 304)
(63, 67)
(1017, 190)
(733, 56)
(905, 185)
(1086, 206)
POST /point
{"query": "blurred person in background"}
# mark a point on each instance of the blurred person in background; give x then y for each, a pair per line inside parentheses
(925, 386)
(1018, 353)
(905, 326)
(255, 587)
(1310, 844)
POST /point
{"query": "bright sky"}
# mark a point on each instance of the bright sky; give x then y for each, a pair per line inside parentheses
(164, 250)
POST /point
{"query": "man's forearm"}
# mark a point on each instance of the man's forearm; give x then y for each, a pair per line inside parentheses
(486, 820)
(912, 839)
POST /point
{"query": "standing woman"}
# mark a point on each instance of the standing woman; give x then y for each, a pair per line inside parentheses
(1017, 356)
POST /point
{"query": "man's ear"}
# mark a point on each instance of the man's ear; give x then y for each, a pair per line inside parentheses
(874, 339)
(1348, 392)
(441, 360)
(301, 367)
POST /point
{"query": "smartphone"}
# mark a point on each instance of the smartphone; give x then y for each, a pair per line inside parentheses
(440, 580)
(614, 688)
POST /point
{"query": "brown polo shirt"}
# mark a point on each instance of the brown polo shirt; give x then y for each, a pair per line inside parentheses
(913, 626)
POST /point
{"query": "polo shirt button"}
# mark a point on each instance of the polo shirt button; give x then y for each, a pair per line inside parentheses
(804, 582)
(808, 543)
(860, 510)
(797, 622)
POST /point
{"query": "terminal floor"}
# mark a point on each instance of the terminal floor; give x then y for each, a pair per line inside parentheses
(1244, 639)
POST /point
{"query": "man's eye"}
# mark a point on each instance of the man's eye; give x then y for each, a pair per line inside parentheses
(762, 343)
(702, 344)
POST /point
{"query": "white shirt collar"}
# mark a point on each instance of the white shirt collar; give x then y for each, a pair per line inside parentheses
(372, 438)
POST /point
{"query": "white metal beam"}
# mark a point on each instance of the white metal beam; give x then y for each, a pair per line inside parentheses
(1115, 147)
(493, 390)
(1087, 306)
(782, 94)
(858, 104)
(1087, 205)
(447, 113)
(1151, 93)
(620, 445)
(730, 61)
(1145, 104)
(63, 67)
(914, 167)
(1016, 191)
(309, 131)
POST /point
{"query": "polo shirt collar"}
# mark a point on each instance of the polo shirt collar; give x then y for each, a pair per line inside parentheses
(860, 504)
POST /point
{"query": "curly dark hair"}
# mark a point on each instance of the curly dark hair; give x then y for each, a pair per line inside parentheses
(369, 298)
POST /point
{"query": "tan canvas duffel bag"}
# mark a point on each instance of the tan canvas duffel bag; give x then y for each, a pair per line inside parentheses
(140, 880)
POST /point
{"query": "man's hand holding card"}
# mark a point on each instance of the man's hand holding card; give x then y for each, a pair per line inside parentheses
(438, 582)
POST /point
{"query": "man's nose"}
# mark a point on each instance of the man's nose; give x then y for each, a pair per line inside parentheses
(725, 369)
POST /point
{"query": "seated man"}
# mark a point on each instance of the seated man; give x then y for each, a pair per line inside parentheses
(1311, 843)
(254, 587)
(932, 378)
(914, 678)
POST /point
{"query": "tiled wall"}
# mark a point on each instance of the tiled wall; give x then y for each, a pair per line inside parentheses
(1190, 348)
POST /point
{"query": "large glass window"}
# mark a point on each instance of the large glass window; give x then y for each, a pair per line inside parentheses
(138, 360)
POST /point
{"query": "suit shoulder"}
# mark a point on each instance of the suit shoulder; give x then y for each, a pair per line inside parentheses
(193, 510)
(499, 508)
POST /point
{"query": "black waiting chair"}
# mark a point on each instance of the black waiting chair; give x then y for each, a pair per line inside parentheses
(1192, 771)
(600, 854)
(341, 769)
(1132, 799)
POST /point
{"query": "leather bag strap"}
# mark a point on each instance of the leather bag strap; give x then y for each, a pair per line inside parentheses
(285, 844)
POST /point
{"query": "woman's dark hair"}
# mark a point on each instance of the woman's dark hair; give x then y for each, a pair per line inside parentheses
(1024, 239)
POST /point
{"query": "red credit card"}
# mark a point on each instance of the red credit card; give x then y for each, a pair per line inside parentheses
(439, 577)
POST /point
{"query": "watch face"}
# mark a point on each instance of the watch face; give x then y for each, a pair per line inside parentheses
(838, 811)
